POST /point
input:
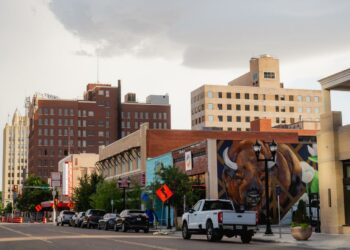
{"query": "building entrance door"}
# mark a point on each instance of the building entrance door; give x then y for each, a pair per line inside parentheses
(347, 191)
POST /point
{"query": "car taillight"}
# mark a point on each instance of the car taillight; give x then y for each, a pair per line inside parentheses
(220, 217)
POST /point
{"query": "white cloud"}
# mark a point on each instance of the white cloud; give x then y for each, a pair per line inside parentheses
(208, 34)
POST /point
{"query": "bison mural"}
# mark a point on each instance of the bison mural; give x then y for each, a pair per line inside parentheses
(241, 176)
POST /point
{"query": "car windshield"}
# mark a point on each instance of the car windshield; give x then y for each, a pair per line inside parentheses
(69, 212)
(98, 212)
(215, 205)
(136, 212)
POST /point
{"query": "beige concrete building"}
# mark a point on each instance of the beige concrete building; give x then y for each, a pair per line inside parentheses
(334, 160)
(72, 168)
(15, 157)
(256, 94)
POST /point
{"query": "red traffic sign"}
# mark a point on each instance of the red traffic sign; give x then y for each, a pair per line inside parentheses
(38, 207)
(164, 193)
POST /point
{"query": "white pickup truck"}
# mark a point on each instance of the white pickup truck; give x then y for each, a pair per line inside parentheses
(217, 218)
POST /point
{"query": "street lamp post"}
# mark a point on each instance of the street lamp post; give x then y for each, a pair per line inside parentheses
(124, 184)
(257, 150)
(54, 205)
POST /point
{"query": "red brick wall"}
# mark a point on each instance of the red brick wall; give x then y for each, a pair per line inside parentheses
(162, 141)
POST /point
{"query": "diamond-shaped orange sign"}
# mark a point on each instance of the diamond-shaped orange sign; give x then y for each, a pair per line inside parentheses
(164, 193)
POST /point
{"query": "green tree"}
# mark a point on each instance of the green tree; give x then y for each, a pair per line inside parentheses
(105, 192)
(8, 208)
(87, 187)
(179, 183)
(133, 196)
(35, 191)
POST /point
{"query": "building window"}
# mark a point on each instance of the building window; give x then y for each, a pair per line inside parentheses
(300, 98)
(228, 95)
(317, 110)
(277, 120)
(256, 107)
(247, 119)
(154, 125)
(256, 97)
(308, 99)
(239, 129)
(91, 113)
(165, 125)
(269, 75)
(229, 106)
(100, 92)
(238, 107)
(316, 99)
(229, 118)
(165, 116)
(246, 107)
(210, 94)
(291, 109)
(107, 93)
(291, 98)
(220, 106)
(219, 94)
(210, 118)
(210, 106)
(277, 109)
(276, 97)
(220, 118)
(300, 109)
(238, 95)
(238, 118)
(246, 96)
(308, 110)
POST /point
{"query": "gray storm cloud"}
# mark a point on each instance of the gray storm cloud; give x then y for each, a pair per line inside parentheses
(208, 34)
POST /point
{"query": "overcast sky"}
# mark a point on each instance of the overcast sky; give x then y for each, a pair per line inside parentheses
(160, 46)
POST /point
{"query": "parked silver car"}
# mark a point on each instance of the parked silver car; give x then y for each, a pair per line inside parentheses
(64, 217)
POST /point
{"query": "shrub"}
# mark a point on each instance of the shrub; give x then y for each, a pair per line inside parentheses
(300, 217)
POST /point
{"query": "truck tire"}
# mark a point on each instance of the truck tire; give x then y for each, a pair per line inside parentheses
(213, 234)
(246, 237)
(185, 233)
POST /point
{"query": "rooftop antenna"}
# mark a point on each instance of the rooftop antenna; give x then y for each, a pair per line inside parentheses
(97, 65)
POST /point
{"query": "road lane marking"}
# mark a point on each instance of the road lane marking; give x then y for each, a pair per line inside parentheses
(29, 236)
(143, 245)
(83, 236)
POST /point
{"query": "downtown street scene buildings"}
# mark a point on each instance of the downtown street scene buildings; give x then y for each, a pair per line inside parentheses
(63, 140)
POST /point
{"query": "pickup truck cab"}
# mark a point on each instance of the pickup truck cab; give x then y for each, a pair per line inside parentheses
(217, 218)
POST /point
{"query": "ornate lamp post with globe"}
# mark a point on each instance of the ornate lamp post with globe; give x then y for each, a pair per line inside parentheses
(257, 150)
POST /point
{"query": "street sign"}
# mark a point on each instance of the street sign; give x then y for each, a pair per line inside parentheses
(164, 193)
(38, 207)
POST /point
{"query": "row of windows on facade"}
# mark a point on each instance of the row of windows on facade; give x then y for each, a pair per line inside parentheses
(70, 122)
(13, 175)
(70, 132)
(145, 115)
(230, 118)
(248, 96)
(20, 139)
(22, 160)
(136, 125)
(64, 142)
(12, 182)
(20, 151)
(69, 112)
(18, 167)
(124, 167)
(257, 108)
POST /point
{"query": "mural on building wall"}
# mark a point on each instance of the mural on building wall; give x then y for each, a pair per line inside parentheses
(241, 178)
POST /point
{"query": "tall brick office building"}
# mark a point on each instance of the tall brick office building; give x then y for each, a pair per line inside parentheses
(60, 127)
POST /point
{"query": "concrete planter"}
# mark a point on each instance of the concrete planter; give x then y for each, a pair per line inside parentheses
(300, 233)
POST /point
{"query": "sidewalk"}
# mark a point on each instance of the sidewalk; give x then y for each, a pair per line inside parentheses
(317, 240)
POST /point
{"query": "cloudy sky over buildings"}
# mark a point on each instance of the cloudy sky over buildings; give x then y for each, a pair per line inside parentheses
(160, 46)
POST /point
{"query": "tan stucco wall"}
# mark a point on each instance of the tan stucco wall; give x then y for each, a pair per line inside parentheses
(330, 174)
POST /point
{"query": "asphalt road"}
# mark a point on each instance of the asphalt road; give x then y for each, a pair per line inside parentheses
(48, 236)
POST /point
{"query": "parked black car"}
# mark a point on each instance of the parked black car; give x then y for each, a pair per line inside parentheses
(64, 217)
(107, 222)
(79, 219)
(72, 220)
(132, 219)
(91, 218)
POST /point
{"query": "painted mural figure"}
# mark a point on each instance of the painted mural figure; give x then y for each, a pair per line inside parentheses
(242, 176)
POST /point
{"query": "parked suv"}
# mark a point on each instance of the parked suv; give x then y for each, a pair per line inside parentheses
(64, 217)
(79, 219)
(91, 218)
